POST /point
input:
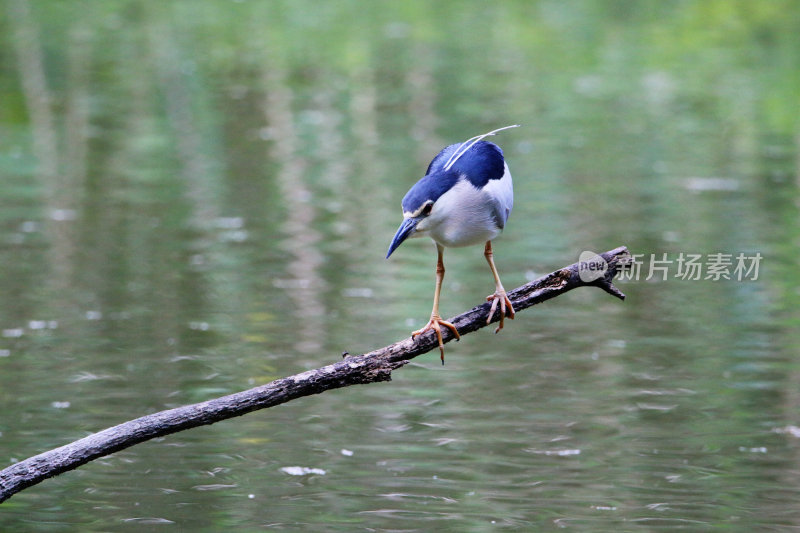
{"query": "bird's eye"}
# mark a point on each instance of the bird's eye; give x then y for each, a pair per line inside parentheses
(427, 209)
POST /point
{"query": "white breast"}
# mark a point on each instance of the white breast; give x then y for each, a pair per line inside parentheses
(465, 215)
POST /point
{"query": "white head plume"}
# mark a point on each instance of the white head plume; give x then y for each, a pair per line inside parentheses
(466, 145)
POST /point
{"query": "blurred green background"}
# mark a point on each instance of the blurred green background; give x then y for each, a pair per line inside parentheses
(197, 196)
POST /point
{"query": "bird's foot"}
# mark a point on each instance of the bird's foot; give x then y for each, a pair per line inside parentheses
(506, 309)
(435, 324)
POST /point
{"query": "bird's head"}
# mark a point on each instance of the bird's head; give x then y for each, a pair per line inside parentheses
(420, 210)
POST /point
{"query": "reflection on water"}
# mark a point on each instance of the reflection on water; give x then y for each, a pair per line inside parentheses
(197, 198)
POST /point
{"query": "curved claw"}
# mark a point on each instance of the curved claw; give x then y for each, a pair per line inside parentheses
(434, 323)
(506, 308)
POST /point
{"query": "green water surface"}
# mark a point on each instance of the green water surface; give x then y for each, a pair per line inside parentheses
(196, 197)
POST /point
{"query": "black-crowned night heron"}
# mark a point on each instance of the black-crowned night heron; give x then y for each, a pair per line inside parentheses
(464, 198)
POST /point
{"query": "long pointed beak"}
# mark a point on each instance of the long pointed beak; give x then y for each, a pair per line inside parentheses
(406, 228)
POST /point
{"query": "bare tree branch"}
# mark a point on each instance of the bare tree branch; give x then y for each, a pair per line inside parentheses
(371, 367)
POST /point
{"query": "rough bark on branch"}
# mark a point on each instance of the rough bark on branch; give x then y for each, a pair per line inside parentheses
(370, 367)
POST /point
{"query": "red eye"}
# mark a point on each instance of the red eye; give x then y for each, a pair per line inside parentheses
(427, 210)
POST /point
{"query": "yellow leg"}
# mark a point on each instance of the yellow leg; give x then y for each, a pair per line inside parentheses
(499, 293)
(436, 321)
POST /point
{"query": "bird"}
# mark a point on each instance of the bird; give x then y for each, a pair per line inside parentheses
(464, 199)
